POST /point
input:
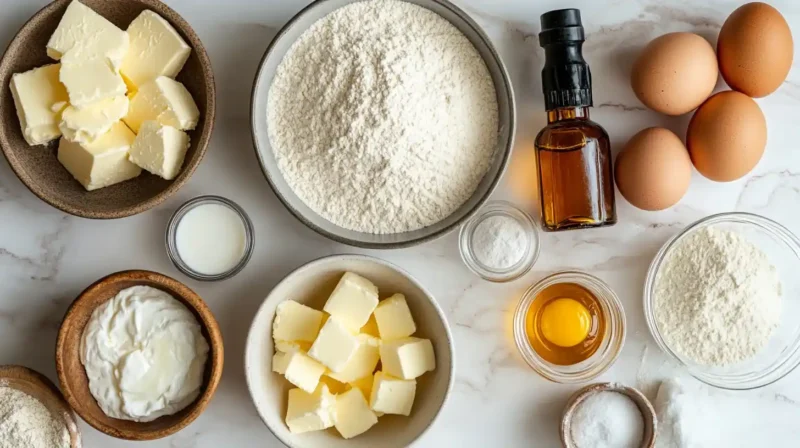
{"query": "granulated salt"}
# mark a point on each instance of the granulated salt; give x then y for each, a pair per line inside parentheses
(607, 420)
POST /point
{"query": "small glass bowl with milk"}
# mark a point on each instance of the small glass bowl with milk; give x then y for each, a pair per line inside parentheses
(210, 238)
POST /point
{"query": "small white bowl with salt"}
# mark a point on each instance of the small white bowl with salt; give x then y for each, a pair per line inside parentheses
(606, 415)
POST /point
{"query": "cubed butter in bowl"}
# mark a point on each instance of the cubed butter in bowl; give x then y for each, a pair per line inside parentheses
(322, 382)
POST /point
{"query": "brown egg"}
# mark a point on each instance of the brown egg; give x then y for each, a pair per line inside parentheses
(653, 170)
(727, 136)
(755, 49)
(675, 73)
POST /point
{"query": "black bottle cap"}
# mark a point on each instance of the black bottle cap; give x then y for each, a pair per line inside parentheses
(566, 78)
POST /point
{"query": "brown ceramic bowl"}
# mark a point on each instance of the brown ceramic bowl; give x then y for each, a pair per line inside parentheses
(644, 405)
(39, 387)
(37, 166)
(72, 376)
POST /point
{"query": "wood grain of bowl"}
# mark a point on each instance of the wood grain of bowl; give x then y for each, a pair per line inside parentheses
(37, 166)
(41, 388)
(645, 407)
(72, 375)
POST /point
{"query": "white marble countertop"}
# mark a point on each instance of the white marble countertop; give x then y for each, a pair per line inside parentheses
(47, 257)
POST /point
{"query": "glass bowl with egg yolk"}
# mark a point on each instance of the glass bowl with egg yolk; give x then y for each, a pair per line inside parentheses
(569, 327)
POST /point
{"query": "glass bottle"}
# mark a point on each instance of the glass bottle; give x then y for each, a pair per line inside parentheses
(576, 183)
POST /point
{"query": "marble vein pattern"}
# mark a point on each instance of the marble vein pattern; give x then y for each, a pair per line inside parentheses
(47, 258)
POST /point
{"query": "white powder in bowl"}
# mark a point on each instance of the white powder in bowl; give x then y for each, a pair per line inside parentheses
(499, 242)
(607, 419)
(26, 423)
(383, 117)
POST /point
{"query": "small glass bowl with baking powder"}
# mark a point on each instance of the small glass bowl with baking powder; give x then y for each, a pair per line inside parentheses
(500, 243)
(782, 353)
(210, 238)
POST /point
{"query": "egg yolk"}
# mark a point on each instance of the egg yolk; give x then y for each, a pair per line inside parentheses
(565, 322)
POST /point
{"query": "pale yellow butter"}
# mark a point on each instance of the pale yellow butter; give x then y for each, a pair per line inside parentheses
(102, 162)
(94, 120)
(39, 97)
(163, 100)
(90, 81)
(156, 49)
(83, 35)
(363, 361)
(160, 149)
(392, 395)
(394, 319)
(299, 369)
(310, 411)
(352, 301)
(296, 322)
(407, 358)
(335, 345)
(353, 415)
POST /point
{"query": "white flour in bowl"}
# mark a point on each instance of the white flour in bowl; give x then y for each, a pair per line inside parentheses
(717, 298)
(26, 423)
(383, 117)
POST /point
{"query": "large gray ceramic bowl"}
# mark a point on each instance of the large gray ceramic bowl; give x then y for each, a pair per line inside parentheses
(505, 136)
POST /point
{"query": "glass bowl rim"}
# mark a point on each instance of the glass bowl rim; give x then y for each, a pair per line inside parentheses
(171, 235)
(784, 365)
(524, 265)
(616, 328)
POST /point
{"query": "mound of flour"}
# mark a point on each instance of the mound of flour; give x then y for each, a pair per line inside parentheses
(383, 117)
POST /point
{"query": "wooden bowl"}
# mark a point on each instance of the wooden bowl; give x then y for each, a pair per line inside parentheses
(39, 387)
(72, 375)
(37, 166)
(645, 407)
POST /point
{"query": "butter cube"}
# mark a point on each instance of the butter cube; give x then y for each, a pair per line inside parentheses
(160, 149)
(156, 49)
(36, 94)
(310, 412)
(87, 124)
(371, 327)
(299, 369)
(407, 358)
(352, 301)
(90, 81)
(335, 346)
(102, 162)
(392, 395)
(289, 346)
(163, 100)
(353, 415)
(363, 361)
(394, 318)
(296, 322)
(83, 34)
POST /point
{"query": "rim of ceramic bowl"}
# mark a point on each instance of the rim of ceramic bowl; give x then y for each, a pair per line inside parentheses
(523, 265)
(506, 150)
(606, 354)
(754, 380)
(330, 258)
(649, 417)
(186, 173)
(172, 234)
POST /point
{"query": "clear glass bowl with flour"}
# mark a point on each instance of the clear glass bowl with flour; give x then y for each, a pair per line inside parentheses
(500, 243)
(210, 238)
(722, 298)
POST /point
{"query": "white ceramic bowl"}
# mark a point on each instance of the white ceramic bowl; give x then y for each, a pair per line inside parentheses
(274, 55)
(310, 285)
